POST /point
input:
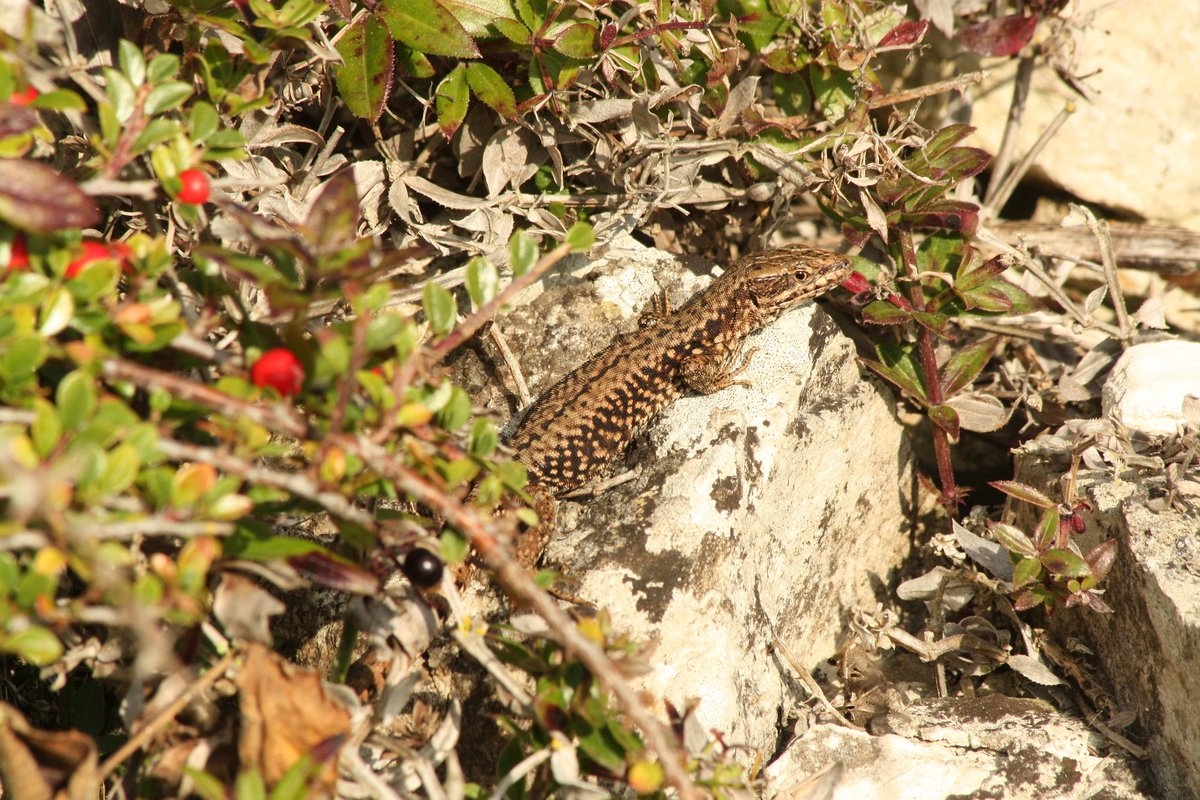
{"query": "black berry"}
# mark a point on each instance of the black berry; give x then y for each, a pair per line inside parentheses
(422, 567)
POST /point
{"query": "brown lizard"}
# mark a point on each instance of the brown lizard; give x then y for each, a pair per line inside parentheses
(582, 424)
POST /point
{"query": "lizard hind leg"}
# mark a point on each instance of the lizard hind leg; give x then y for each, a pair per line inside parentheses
(706, 374)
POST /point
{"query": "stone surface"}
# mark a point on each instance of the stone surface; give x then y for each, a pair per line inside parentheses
(1134, 147)
(991, 747)
(757, 510)
(1146, 389)
(1149, 647)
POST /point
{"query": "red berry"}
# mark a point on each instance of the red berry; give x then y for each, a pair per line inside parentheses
(279, 369)
(194, 187)
(92, 251)
(25, 97)
(19, 258)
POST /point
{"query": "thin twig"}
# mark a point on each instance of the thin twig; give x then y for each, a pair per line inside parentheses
(1014, 176)
(928, 90)
(473, 323)
(514, 367)
(164, 716)
(157, 526)
(1099, 229)
(1008, 142)
(813, 687)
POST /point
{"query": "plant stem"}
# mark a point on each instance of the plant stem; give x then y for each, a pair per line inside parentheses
(929, 369)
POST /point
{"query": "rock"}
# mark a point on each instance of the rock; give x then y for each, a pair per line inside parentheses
(1149, 646)
(1146, 389)
(1133, 147)
(755, 512)
(992, 746)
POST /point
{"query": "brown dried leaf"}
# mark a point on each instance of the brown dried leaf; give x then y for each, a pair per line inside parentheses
(245, 610)
(285, 715)
(35, 198)
(44, 765)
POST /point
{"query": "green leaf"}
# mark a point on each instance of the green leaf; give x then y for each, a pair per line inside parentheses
(1026, 571)
(157, 131)
(1012, 539)
(522, 252)
(203, 121)
(881, 312)
(1048, 528)
(1066, 564)
(249, 786)
(47, 427)
(577, 40)
(132, 62)
(383, 330)
(22, 357)
(122, 471)
(58, 307)
(121, 93)
(162, 67)
(512, 30)
(440, 309)
(205, 784)
(35, 644)
(483, 281)
(427, 27)
(453, 546)
(489, 87)
(580, 237)
(457, 410)
(899, 365)
(965, 365)
(452, 100)
(483, 439)
(76, 399)
(59, 100)
(364, 78)
(167, 96)
(833, 89)
(945, 418)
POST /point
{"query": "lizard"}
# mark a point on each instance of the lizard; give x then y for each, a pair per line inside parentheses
(580, 426)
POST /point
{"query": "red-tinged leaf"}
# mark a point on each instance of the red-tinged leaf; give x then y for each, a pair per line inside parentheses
(953, 215)
(452, 99)
(945, 418)
(998, 37)
(990, 299)
(908, 32)
(881, 312)
(342, 7)
(1013, 539)
(489, 87)
(899, 366)
(332, 222)
(35, 198)
(972, 274)
(15, 119)
(577, 40)
(1101, 558)
(965, 365)
(945, 139)
(334, 572)
(1026, 571)
(427, 27)
(1019, 301)
(930, 320)
(1023, 492)
(1065, 564)
(364, 79)
(1030, 598)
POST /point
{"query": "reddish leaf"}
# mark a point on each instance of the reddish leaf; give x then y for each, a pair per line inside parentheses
(1023, 492)
(945, 418)
(35, 198)
(332, 222)
(1102, 557)
(881, 312)
(908, 32)
(334, 572)
(899, 366)
(342, 7)
(15, 119)
(953, 215)
(856, 283)
(998, 37)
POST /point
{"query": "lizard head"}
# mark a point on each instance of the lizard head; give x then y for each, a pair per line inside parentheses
(776, 280)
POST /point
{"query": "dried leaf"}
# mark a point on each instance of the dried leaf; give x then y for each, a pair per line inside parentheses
(45, 764)
(1033, 669)
(979, 412)
(989, 555)
(244, 609)
(35, 198)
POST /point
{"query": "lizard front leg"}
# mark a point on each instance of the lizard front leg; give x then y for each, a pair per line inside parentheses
(706, 374)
